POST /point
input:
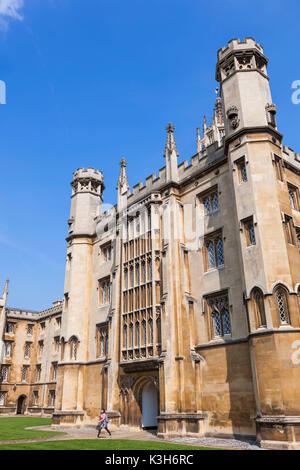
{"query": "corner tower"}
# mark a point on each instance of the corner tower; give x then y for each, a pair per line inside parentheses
(86, 203)
(263, 229)
(244, 87)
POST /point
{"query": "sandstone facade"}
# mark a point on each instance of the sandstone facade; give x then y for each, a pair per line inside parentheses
(181, 304)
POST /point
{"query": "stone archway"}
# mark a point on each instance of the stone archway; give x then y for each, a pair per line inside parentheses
(21, 404)
(149, 406)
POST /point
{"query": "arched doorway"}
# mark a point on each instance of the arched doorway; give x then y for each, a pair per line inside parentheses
(21, 405)
(149, 406)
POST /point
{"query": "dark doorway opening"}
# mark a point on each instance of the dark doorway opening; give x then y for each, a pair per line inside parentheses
(21, 405)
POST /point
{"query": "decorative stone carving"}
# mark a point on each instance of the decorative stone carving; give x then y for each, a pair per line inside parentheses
(195, 356)
(233, 116)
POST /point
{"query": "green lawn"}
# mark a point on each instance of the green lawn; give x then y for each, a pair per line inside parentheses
(100, 444)
(13, 428)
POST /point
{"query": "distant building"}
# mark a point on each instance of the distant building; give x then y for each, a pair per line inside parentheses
(181, 305)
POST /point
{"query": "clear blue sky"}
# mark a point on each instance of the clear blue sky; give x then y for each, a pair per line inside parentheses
(91, 81)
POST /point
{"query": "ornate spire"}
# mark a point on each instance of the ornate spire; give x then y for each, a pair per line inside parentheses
(170, 144)
(123, 181)
(5, 292)
(218, 113)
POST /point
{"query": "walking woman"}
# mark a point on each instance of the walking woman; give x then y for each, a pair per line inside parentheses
(103, 423)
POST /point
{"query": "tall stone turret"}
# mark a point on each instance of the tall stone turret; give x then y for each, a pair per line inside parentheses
(270, 263)
(244, 87)
(86, 202)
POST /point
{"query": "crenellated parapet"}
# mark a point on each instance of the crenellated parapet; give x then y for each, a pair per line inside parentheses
(88, 180)
(240, 55)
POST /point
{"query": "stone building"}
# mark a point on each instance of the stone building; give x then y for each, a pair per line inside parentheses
(181, 303)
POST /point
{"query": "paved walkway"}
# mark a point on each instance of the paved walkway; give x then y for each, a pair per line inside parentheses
(91, 433)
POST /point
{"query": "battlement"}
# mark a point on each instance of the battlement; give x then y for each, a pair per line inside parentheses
(238, 45)
(290, 156)
(88, 173)
(21, 314)
(151, 183)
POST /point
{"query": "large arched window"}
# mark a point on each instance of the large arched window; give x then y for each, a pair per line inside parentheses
(219, 312)
(281, 298)
(259, 307)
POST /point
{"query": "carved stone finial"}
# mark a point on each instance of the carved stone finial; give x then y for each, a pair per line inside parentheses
(170, 144)
(123, 162)
(123, 181)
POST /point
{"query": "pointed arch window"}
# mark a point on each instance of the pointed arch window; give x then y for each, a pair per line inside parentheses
(282, 305)
(74, 348)
(220, 315)
(259, 307)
